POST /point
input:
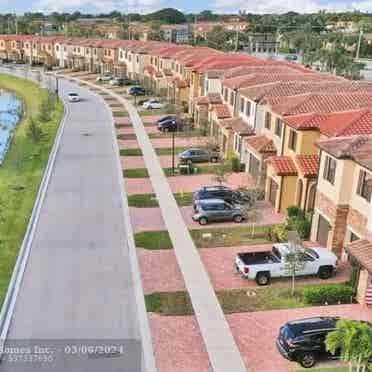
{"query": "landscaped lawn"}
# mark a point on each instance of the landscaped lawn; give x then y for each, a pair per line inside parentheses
(130, 152)
(207, 238)
(135, 173)
(120, 114)
(168, 150)
(232, 301)
(325, 369)
(127, 136)
(149, 200)
(20, 175)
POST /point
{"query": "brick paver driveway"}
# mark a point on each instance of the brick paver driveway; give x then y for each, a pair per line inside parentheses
(186, 183)
(266, 216)
(132, 162)
(255, 333)
(164, 142)
(151, 218)
(219, 263)
(192, 183)
(178, 344)
(160, 271)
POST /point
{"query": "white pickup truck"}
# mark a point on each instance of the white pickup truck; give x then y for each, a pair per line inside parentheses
(264, 265)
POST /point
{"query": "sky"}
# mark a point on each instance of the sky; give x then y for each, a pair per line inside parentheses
(219, 6)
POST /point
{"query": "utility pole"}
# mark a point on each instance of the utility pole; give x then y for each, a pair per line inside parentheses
(359, 43)
(237, 36)
(194, 31)
(16, 23)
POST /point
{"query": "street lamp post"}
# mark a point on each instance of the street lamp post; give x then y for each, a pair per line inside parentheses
(57, 85)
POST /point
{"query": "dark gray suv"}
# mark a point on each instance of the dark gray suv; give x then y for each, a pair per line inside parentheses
(198, 155)
(217, 210)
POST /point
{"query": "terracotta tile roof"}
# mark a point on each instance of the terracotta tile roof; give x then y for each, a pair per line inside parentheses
(291, 88)
(334, 124)
(222, 111)
(245, 81)
(361, 251)
(308, 165)
(238, 126)
(202, 100)
(261, 144)
(356, 148)
(246, 70)
(320, 103)
(282, 165)
(214, 98)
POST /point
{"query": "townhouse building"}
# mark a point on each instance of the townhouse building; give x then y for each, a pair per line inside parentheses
(342, 218)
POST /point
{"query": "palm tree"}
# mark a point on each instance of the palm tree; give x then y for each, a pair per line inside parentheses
(353, 339)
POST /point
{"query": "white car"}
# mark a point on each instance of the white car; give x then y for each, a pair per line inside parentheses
(153, 104)
(105, 77)
(73, 97)
(264, 265)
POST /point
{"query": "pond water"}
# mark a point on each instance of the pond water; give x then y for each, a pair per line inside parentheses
(10, 114)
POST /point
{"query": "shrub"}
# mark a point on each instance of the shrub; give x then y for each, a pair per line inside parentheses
(280, 233)
(235, 163)
(294, 211)
(33, 130)
(328, 294)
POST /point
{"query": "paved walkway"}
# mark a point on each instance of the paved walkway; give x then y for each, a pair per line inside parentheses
(223, 352)
(78, 282)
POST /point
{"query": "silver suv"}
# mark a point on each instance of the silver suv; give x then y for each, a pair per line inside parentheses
(198, 155)
(217, 210)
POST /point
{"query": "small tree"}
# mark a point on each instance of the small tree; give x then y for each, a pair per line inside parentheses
(221, 173)
(34, 131)
(294, 260)
(46, 108)
(353, 339)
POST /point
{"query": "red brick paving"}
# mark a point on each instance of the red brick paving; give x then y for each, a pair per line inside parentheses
(138, 186)
(128, 144)
(179, 142)
(219, 263)
(123, 121)
(132, 162)
(160, 271)
(147, 219)
(255, 333)
(192, 183)
(267, 217)
(130, 129)
(178, 344)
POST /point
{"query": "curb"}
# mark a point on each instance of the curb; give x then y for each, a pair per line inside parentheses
(10, 300)
(148, 357)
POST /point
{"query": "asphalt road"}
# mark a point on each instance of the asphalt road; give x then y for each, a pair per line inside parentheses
(78, 283)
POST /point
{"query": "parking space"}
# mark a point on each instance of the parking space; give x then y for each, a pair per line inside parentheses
(178, 344)
(256, 332)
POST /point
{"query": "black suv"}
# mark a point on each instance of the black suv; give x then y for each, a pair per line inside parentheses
(303, 340)
(219, 192)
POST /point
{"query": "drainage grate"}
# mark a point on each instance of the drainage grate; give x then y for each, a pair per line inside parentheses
(87, 134)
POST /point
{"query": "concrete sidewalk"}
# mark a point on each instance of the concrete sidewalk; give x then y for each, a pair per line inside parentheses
(221, 347)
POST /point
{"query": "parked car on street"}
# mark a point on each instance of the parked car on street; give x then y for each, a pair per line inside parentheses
(264, 265)
(218, 192)
(107, 76)
(198, 155)
(303, 340)
(119, 82)
(73, 97)
(136, 91)
(217, 210)
(152, 104)
(170, 125)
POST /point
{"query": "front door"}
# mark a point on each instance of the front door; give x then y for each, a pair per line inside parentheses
(323, 230)
(254, 166)
(273, 192)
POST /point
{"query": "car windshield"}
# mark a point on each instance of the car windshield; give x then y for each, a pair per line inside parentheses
(311, 253)
(73, 94)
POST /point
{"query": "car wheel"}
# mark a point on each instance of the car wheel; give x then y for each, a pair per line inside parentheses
(263, 278)
(307, 360)
(325, 272)
(214, 160)
(203, 221)
(238, 218)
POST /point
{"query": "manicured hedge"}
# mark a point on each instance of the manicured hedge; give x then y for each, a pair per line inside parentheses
(328, 294)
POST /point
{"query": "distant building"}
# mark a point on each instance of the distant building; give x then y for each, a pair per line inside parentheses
(262, 43)
(179, 34)
(201, 29)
